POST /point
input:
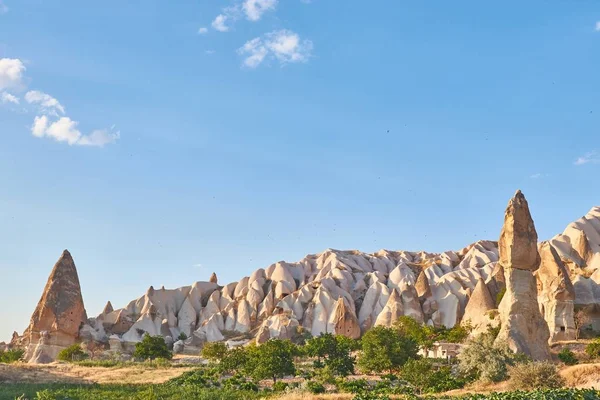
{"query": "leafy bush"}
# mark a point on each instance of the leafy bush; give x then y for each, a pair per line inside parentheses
(593, 348)
(214, 351)
(385, 349)
(499, 296)
(371, 396)
(567, 357)
(271, 360)
(11, 356)
(314, 387)
(234, 360)
(424, 376)
(280, 386)
(482, 358)
(72, 353)
(335, 350)
(152, 347)
(182, 336)
(535, 375)
(353, 386)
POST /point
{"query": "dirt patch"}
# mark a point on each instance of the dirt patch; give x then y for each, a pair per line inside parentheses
(68, 373)
(582, 375)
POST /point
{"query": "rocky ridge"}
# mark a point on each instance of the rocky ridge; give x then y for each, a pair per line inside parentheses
(348, 292)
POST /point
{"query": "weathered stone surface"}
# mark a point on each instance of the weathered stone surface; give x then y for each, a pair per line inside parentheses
(518, 239)
(213, 278)
(480, 302)
(59, 315)
(343, 321)
(522, 324)
(556, 294)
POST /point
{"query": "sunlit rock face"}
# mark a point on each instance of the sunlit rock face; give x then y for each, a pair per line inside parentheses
(348, 292)
(59, 315)
(522, 325)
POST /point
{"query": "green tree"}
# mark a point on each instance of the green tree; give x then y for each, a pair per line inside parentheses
(271, 360)
(152, 347)
(385, 349)
(235, 359)
(485, 359)
(72, 353)
(335, 350)
(214, 351)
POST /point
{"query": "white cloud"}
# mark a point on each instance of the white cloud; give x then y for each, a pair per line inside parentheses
(202, 31)
(591, 157)
(536, 176)
(11, 73)
(3, 8)
(597, 28)
(283, 45)
(197, 265)
(219, 23)
(40, 124)
(254, 9)
(99, 138)
(6, 97)
(256, 51)
(65, 130)
(47, 103)
(209, 52)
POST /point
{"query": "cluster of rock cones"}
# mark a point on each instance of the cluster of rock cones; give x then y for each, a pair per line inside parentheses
(348, 292)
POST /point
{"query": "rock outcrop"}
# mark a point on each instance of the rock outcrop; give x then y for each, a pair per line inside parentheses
(347, 292)
(522, 325)
(556, 294)
(59, 315)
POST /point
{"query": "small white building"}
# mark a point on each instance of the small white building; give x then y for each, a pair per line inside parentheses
(441, 350)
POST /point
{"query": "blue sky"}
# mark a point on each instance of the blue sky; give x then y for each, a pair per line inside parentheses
(159, 142)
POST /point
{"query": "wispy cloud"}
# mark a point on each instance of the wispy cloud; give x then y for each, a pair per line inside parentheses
(539, 176)
(197, 265)
(51, 120)
(254, 9)
(592, 157)
(6, 97)
(284, 46)
(220, 23)
(209, 52)
(12, 71)
(597, 27)
(202, 31)
(3, 7)
(47, 103)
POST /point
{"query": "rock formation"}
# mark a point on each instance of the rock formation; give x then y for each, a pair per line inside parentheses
(59, 315)
(556, 294)
(522, 324)
(348, 292)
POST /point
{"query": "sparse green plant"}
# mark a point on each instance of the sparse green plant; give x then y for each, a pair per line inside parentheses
(485, 359)
(593, 348)
(11, 356)
(567, 357)
(500, 296)
(182, 336)
(152, 347)
(535, 375)
(72, 353)
(214, 351)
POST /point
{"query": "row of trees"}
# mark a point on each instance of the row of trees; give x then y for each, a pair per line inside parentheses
(381, 349)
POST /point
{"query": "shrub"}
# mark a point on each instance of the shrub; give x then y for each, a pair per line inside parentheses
(385, 349)
(370, 396)
(72, 353)
(182, 336)
(11, 356)
(593, 348)
(214, 351)
(271, 360)
(424, 376)
(280, 386)
(499, 296)
(152, 347)
(567, 357)
(234, 360)
(535, 375)
(335, 350)
(314, 387)
(481, 358)
(353, 386)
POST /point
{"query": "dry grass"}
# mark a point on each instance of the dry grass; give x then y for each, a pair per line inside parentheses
(582, 375)
(69, 373)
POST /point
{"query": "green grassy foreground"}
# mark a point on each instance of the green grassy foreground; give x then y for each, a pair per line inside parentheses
(168, 392)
